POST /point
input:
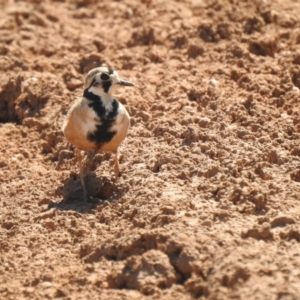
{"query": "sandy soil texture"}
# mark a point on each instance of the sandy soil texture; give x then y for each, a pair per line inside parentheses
(208, 202)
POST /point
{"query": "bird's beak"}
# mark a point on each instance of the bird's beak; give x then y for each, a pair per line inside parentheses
(125, 83)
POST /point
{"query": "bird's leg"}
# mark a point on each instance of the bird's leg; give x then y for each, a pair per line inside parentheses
(79, 158)
(116, 166)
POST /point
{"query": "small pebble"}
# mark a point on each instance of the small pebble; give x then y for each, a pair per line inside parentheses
(46, 284)
(294, 89)
(213, 82)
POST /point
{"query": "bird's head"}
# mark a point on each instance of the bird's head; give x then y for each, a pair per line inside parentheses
(103, 81)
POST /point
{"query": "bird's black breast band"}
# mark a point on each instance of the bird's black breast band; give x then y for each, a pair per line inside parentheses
(102, 134)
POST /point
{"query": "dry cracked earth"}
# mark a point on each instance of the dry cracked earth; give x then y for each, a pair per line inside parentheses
(207, 204)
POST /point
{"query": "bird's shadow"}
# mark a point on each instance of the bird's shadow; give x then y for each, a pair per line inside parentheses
(100, 189)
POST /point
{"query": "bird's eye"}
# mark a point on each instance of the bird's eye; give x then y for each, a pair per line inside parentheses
(104, 76)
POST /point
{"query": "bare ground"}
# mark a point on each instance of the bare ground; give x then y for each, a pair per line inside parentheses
(207, 205)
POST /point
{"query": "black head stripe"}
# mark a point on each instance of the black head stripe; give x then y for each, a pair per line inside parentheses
(92, 73)
(94, 82)
(106, 85)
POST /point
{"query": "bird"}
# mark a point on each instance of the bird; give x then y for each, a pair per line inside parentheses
(97, 121)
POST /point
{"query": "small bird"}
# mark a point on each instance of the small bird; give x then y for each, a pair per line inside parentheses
(97, 121)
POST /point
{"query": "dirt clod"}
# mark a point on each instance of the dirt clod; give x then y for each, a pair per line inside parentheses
(137, 272)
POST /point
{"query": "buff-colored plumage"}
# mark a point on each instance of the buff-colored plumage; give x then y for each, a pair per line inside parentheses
(97, 122)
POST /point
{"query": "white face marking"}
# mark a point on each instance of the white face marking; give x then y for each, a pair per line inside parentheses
(115, 79)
